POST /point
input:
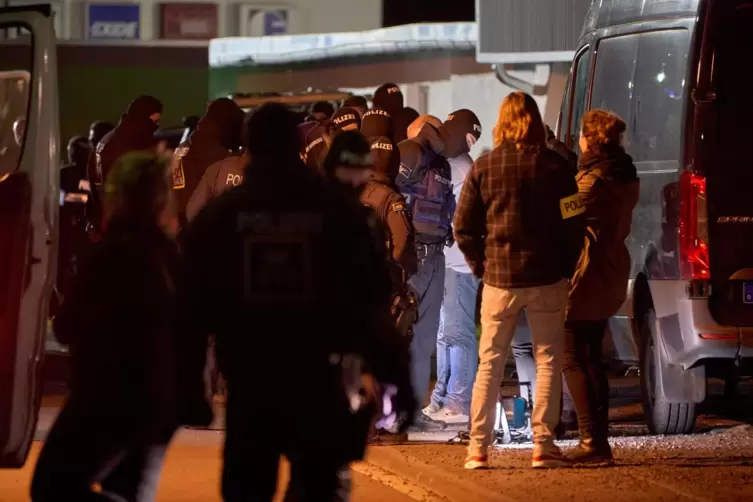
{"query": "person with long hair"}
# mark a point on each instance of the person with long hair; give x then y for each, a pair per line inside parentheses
(119, 320)
(609, 188)
(519, 225)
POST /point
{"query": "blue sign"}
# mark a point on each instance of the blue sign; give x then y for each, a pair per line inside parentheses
(275, 22)
(112, 21)
(266, 22)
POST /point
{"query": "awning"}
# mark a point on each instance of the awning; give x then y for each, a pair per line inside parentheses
(300, 48)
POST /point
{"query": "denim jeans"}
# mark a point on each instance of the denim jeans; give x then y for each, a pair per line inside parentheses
(428, 286)
(457, 347)
(525, 364)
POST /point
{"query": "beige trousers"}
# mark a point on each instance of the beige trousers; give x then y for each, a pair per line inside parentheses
(545, 308)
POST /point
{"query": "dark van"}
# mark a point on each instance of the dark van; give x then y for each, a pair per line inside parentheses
(679, 72)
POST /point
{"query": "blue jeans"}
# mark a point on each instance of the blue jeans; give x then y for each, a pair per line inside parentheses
(428, 285)
(457, 347)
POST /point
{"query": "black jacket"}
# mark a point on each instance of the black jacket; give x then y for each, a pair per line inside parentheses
(216, 137)
(119, 322)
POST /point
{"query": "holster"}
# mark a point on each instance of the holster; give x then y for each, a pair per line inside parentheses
(405, 312)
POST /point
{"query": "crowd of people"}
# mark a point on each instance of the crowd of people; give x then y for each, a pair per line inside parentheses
(321, 264)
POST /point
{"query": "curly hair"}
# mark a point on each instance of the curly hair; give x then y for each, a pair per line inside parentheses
(603, 129)
(519, 122)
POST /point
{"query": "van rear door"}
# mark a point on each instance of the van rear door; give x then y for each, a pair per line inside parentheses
(728, 162)
(29, 200)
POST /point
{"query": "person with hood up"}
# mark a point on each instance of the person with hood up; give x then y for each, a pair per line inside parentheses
(400, 123)
(318, 139)
(97, 130)
(302, 254)
(375, 123)
(390, 98)
(217, 136)
(457, 347)
(218, 177)
(609, 188)
(346, 119)
(358, 103)
(321, 111)
(425, 181)
(134, 132)
(119, 320)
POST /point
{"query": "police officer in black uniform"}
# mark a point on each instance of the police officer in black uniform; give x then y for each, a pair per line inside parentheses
(294, 287)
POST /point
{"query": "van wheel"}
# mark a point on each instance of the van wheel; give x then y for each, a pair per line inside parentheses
(662, 417)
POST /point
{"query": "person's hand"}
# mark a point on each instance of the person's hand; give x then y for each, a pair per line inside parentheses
(371, 391)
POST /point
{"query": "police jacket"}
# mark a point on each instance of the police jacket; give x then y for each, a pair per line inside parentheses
(218, 177)
(205, 147)
(519, 220)
(74, 217)
(132, 133)
(425, 181)
(392, 213)
(291, 262)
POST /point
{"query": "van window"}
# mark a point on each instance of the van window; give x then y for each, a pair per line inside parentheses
(613, 76)
(14, 102)
(658, 93)
(564, 117)
(581, 77)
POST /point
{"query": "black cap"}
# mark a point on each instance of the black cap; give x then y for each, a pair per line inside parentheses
(272, 133)
(324, 108)
(385, 155)
(376, 122)
(389, 97)
(346, 119)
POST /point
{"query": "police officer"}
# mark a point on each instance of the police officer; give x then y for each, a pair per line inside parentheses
(217, 136)
(135, 131)
(425, 180)
(382, 195)
(346, 119)
(75, 211)
(274, 274)
(218, 177)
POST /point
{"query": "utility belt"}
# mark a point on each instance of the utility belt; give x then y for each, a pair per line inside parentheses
(404, 312)
(424, 250)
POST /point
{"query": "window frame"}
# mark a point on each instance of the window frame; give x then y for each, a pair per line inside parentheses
(566, 115)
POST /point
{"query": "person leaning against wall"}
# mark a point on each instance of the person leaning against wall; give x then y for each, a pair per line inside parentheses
(519, 224)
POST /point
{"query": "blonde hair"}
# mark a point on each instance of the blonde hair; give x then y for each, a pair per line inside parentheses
(519, 122)
(603, 129)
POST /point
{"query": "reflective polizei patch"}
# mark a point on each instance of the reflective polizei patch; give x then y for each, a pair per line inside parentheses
(571, 206)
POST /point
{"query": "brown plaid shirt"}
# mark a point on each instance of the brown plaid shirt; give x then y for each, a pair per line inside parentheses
(519, 220)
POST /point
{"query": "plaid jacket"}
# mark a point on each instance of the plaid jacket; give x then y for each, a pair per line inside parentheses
(519, 220)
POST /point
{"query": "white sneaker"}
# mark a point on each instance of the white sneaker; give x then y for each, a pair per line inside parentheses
(431, 410)
(454, 417)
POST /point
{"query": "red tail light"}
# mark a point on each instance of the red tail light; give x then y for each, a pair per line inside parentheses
(694, 250)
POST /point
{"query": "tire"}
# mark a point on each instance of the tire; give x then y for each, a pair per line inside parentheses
(662, 417)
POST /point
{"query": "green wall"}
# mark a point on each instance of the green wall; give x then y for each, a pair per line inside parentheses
(89, 93)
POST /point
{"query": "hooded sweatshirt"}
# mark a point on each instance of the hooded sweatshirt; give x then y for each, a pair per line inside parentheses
(217, 135)
(460, 166)
(455, 129)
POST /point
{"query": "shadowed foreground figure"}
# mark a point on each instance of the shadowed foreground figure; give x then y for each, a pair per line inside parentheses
(118, 320)
(304, 293)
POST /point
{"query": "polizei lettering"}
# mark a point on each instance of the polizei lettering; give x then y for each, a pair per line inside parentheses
(233, 179)
(571, 206)
(344, 118)
(376, 111)
(382, 146)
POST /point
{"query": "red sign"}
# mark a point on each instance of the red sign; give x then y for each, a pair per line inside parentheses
(189, 21)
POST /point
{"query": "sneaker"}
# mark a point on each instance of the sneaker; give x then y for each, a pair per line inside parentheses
(452, 417)
(432, 409)
(423, 423)
(550, 459)
(585, 455)
(474, 462)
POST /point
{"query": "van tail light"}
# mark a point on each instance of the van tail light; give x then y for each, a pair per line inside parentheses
(694, 249)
